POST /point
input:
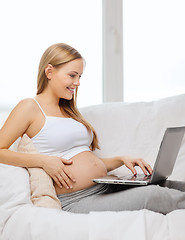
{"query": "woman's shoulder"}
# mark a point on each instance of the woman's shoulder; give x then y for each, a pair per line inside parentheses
(28, 102)
(21, 116)
(26, 105)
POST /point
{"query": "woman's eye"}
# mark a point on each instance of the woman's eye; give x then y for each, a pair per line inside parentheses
(72, 75)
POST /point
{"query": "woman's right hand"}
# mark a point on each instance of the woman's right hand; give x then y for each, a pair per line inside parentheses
(56, 168)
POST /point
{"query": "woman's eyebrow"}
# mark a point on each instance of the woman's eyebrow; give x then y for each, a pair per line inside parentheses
(77, 73)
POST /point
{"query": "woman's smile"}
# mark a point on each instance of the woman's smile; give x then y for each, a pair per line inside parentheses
(71, 90)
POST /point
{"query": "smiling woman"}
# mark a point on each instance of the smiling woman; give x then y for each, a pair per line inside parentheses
(65, 144)
(52, 76)
(64, 77)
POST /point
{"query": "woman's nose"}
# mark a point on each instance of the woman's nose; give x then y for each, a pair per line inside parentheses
(77, 82)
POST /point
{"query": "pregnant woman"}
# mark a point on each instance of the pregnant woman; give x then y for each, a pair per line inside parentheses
(66, 141)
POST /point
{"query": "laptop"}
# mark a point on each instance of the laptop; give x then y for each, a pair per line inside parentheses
(164, 164)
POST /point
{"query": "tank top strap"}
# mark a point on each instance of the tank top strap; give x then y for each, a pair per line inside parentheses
(40, 107)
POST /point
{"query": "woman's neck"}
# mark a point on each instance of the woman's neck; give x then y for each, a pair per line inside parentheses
(48, 99)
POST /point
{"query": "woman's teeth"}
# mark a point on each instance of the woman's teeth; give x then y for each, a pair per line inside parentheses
(71, 89)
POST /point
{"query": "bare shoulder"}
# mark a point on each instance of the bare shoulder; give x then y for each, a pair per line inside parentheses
(18, 121)
(27, 103)
(26, 108)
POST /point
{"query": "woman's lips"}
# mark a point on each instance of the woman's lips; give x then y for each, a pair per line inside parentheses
(71, 89)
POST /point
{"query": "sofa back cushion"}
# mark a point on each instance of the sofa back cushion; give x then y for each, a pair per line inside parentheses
(136, 129)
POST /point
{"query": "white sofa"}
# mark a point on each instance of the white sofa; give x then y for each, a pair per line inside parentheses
(134, 129)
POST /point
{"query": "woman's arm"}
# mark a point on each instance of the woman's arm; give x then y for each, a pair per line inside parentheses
(112, 163)
(21, 159)
(115, 162)
(15, 126)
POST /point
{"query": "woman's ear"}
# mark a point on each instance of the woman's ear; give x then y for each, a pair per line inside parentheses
(48, 71)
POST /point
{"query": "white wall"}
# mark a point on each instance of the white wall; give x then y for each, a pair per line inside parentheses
(29, 27)
(154, 48)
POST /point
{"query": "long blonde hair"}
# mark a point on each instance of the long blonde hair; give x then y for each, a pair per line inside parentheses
(56, 55)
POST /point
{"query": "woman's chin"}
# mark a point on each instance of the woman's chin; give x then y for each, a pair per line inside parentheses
(67, 97)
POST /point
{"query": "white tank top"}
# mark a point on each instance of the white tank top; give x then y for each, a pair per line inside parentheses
(62, 137)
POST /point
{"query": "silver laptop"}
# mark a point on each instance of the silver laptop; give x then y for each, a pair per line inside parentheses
(167, 155)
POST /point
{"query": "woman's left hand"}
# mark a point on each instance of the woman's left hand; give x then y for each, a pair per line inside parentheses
(132, 162)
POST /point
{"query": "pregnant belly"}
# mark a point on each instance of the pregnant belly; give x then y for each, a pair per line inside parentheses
(84, 168)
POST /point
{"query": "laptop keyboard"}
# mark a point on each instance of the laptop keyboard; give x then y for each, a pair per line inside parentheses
(138, 177)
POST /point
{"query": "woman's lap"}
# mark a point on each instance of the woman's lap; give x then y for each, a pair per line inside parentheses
(121, 198)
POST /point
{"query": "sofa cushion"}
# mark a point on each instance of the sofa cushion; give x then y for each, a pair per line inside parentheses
(136, 129)
(43, 193)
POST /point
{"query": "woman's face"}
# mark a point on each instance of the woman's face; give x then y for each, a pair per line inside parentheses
(64, 80)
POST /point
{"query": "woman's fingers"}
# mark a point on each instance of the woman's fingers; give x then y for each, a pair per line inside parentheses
(144, 166)
(69, 174)
(65, 175)
(62, 181)
(132, 162)
(148, 168)
(131, 167)
(65, 178)
(66, 161)
(57, 181)
(57, 168)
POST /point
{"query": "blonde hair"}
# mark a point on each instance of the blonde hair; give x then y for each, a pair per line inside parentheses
(57, 55)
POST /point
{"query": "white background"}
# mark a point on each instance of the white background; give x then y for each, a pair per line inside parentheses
(154, 49)
(29, 27)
